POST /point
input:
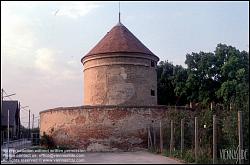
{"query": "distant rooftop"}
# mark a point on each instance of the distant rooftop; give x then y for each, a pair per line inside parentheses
(13, 108)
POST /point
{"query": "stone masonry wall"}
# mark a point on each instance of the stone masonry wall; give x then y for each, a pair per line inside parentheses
(119, 80)
(102, 128)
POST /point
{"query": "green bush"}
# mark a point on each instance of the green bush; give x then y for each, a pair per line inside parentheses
(47, 141)
(188, 156)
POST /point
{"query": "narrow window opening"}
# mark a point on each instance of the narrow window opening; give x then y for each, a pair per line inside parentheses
(152, 63)
(152, 92)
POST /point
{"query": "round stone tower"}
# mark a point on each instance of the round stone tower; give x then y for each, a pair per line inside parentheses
(120, 70)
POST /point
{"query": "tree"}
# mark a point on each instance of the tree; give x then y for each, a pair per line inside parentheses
(179, 82)
(201, 82)
(221, 76)
(233, 70)
(165, 87)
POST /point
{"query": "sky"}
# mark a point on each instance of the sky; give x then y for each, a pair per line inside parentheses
(42, 42)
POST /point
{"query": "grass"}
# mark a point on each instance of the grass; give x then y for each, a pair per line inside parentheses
(186, 157)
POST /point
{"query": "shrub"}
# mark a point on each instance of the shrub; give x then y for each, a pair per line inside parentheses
(47, 141)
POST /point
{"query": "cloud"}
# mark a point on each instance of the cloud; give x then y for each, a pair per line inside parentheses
(39, 71)
(45, 59)
(21, 48)
(17, 38)
(72, 63)
(75, 9)
(51, 66)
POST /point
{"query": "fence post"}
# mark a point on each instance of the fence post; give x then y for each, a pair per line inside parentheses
(154, 136)
(148, 138)
(161, 141)
(196, 138)
(171, 137)
(214, 140)
(182, 136)
(240, 136)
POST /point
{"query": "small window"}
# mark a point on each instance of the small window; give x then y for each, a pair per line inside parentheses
(152, 92)
(152, 63)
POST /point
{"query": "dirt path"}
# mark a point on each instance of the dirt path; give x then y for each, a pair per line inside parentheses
(139, 157)
(128, 157)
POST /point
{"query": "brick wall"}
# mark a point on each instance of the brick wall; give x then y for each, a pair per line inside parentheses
(103, 128)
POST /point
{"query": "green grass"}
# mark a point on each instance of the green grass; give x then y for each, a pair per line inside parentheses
(187, 156)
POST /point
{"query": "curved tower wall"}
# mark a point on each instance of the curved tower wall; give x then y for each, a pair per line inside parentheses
(120, 79)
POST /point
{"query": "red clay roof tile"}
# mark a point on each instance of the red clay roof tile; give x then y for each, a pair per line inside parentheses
(119, 39)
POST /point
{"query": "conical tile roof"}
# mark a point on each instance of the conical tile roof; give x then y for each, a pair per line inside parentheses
(119, 39)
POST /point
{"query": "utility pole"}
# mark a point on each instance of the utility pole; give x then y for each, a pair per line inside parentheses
(38, 123)
(1, 100)
(18, 123)
(33, 122)
(25, 134)
(32, 127)
(29, 126)
(2, 133)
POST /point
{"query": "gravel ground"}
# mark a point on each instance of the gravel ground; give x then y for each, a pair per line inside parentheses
(139, 157)
(128, 157)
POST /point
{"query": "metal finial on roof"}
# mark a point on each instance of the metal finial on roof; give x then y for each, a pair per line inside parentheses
(119, 13)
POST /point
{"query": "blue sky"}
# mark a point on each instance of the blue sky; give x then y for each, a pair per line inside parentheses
(42, 42)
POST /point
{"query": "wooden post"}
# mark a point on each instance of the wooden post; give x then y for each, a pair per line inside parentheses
(154, 137)
(148, 138)
(171, 137)
(182, 136)
(161, 141)
(214, 140)
(196, 138)
(240, 134)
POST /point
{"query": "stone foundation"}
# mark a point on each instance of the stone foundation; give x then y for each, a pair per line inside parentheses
(103, 128)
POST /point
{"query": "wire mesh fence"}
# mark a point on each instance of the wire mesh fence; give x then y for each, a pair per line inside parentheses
(215, 138)
(9, 148)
